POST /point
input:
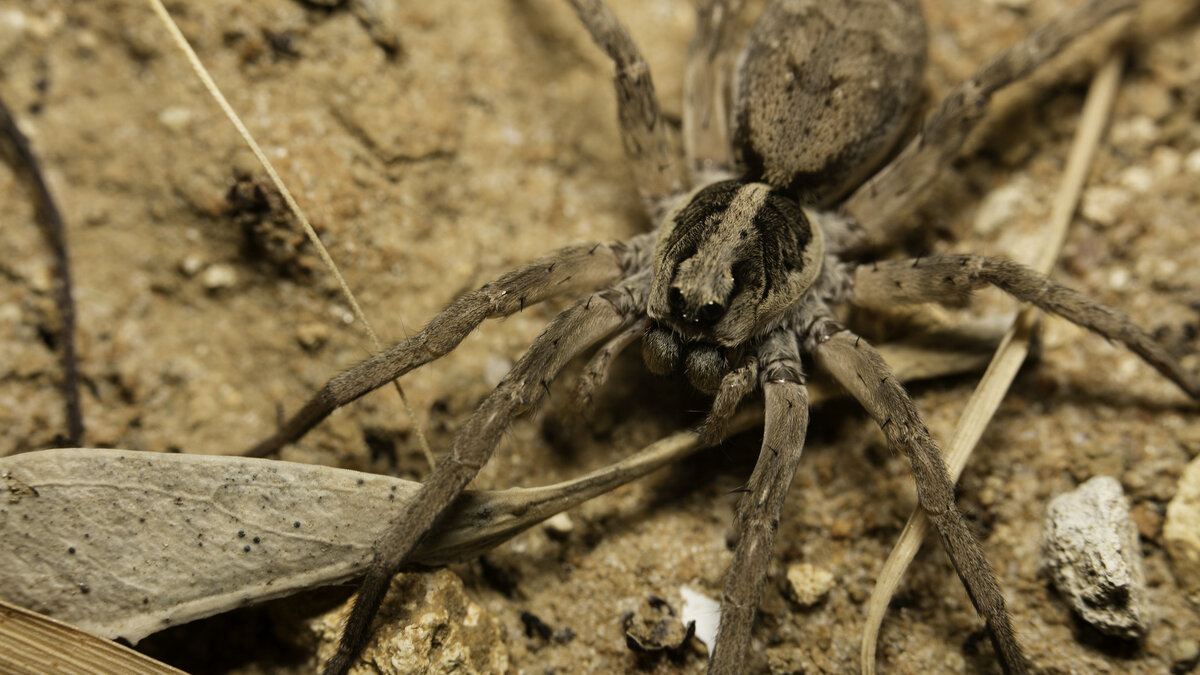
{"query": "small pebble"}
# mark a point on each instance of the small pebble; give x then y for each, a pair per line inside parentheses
(175, 117)
(1092, 551)
(1103, 204)
(1139, 131)
(1181, 531)
(1185, 653)
(1165, 163)
(1002, 206)
(808, 584)
(1192, 162)
(841, 528)
(1118, 278)
(1138, 179)
(559, 525)
(191, 265)
(312, 336)
(218, 277)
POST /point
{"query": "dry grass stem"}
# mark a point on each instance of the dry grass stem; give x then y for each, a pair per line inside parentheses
(211, 87)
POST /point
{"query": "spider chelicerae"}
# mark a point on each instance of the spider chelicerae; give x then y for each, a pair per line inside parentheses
(761, 233)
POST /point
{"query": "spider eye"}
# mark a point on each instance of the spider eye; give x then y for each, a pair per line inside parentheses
(710, 313)
(675, 297)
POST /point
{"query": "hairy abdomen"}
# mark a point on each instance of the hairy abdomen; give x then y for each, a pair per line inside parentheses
(824, 89)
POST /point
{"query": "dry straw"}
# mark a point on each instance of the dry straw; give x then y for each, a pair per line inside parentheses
(215, 93)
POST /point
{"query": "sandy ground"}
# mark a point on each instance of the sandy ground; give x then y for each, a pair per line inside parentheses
(438, 149)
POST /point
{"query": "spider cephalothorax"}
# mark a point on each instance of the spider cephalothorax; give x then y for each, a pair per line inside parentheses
(728, 264)
(744, 273)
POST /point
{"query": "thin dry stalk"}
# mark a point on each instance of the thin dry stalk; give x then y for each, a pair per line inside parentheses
(211, 87)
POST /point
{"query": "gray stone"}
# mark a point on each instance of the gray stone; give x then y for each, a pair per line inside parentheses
(1092, 552)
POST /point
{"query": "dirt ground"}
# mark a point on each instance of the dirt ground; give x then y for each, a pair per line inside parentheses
(440, 146)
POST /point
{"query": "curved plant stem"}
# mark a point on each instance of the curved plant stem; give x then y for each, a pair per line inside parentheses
(56, 233)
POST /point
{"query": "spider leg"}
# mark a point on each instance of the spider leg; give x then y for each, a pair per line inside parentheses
(706, 86)
(735, 386)
(567, 270)
(576, 328)
(595, 373)
(877, 204)
(758, 512)
(862, 371)
(949, 279)
(655, 168)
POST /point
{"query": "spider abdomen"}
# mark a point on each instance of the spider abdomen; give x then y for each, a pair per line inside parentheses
(824, 91)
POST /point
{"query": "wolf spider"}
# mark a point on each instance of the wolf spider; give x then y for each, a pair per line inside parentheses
(761, 231)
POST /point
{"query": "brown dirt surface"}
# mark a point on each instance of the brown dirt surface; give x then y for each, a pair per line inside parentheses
(440, 144)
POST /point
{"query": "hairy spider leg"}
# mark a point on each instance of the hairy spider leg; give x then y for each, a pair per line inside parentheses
(758, 512)
(656, 171)
(566, 271)
(949, 279)
(578, 327)
(874, 209)
(862, 371)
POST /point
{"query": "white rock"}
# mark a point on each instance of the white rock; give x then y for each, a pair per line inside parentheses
(1137, 178)
(1139, 130)
(191, 265)
(1192, 162)
(559, 525)
(1092, 552)
(175, 117)
(218, 277)
(702, 609)
(1002, 206)
(1165, 163)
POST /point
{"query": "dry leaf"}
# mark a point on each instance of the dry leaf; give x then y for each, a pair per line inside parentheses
(124, 543)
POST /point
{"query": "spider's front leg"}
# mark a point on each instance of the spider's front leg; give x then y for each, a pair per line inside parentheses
(578, 327)
(949, 279)
(862, 371)
(567, 270)
(757, 519)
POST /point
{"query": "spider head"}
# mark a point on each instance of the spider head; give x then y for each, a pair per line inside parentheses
(730, 261)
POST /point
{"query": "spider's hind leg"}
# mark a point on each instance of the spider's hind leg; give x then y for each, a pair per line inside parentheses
(706, 87)
(877, 205)
(578, 327)
(565, 271)
(656, 170)
(862, 371)
(758, 513)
